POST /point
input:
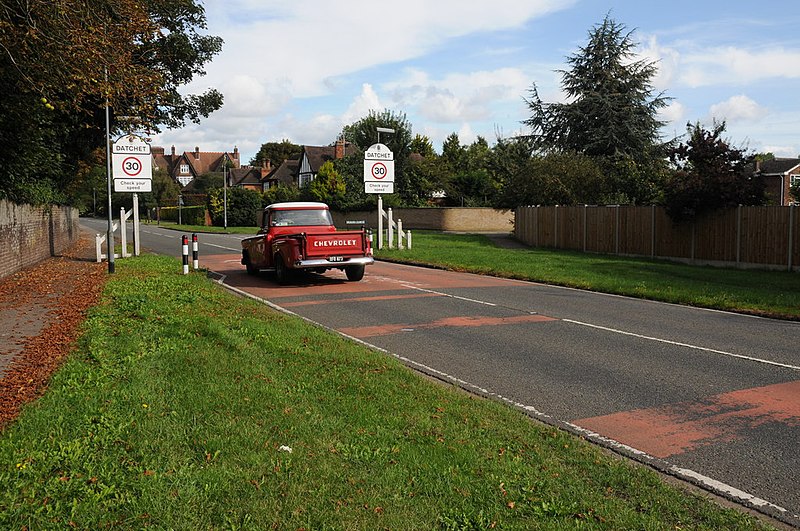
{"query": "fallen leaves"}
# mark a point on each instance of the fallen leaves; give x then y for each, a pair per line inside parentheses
(64, 288)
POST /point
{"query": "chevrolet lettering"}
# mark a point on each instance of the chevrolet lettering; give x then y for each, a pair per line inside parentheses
(299, 237)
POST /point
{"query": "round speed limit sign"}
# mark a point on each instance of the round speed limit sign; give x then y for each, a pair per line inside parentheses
(379, 170)
(131, 166)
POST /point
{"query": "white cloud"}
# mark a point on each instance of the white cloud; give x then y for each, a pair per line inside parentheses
(737, 109)
(730, 65)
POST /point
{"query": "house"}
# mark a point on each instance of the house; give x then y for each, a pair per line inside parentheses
(187, 166)
(285, 173)
(313, 157)
(779, 175)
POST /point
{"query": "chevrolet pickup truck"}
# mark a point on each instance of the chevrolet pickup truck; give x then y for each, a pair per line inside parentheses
(301, 236)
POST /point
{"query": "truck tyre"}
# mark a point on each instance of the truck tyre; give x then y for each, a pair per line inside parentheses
(354, 273)
(281, 271)
(251, 269)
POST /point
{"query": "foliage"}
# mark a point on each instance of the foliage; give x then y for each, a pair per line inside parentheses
(710, 174)
(188, 215)
(327, 187)
(242, 208)
(422, 145)
(280, 193)
(351, 168)
(62, 60)
(611, 112)
(794, 189)
(554, 179)
(276, 153)
(206, 181)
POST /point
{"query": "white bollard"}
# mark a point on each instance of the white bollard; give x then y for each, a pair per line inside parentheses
(400, 234)
(390, 223)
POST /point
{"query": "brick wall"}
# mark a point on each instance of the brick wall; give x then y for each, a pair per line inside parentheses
(29, 234)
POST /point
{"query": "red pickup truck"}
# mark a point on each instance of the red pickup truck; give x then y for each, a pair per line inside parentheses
(301, 236)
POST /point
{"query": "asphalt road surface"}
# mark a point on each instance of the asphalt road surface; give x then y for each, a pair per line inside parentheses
(710, 397)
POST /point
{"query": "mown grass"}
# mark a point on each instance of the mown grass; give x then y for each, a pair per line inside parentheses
(184, 407)
(772, 293)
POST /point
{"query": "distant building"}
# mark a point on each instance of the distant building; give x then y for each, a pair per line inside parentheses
(187, 166)
(779, 175)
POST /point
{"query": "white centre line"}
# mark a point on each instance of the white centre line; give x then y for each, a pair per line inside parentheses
(407, 286)
(687, 345)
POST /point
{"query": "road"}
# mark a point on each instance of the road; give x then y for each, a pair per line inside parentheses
(710, 397)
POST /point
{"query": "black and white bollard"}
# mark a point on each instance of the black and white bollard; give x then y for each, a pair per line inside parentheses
(195, 261)
(185, 242)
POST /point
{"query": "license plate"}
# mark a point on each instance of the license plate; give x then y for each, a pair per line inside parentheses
(336, 259)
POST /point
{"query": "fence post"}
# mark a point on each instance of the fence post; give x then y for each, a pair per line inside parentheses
(185, 252)
(400, 234)
(390, 227)
(408, 238)
(616, 231)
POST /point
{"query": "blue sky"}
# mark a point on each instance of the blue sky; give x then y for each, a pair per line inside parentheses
(301, 70)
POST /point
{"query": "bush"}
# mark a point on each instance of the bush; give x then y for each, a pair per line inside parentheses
(191, 215)
(243, 207)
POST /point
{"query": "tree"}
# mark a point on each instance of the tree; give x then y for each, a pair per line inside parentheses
(276, 153)
(611, 113)
(328, 186)
(363, 133)
(710, 174)
(422, 145)
(62, 60)
(243, 207)
(553, 179)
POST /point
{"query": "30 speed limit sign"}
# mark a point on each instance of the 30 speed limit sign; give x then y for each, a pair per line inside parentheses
(379, 171)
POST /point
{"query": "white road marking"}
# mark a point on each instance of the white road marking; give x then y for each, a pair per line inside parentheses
(687, 345)
(408, 286)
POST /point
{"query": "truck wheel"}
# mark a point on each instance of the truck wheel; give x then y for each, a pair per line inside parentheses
(281, 271)
(354, 273)
(251, 269)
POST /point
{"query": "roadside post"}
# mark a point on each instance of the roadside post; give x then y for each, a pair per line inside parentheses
(185, 253)
(195, 261)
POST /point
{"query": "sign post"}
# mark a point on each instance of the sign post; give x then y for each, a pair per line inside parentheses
(379, 178)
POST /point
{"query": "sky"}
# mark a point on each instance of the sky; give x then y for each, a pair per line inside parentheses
(303, 69)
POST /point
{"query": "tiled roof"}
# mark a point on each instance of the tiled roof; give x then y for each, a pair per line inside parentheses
(286, 173)
(779, 166)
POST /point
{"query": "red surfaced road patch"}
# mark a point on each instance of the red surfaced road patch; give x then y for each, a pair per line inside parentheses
(685, 426)
(472, 321)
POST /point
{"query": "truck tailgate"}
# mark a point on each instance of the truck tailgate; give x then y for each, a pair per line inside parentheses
(344, 243)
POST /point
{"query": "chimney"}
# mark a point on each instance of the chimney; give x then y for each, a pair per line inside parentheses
(758, 166)
(173, 151)
(266, 167)
(196, 153)
(339, 151)
(236, 152)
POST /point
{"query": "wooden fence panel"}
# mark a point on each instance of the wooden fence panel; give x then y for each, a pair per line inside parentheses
(794, 215)
(672, 240)
(636, 232)
(600, 223)
(716, 236)
(570, 228)
(765, 235)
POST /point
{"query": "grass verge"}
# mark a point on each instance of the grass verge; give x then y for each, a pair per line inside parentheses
(186, 407)
(768, 293)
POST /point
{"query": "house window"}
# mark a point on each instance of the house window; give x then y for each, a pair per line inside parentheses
(184, 169)
(795, 179)
(304, 179)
